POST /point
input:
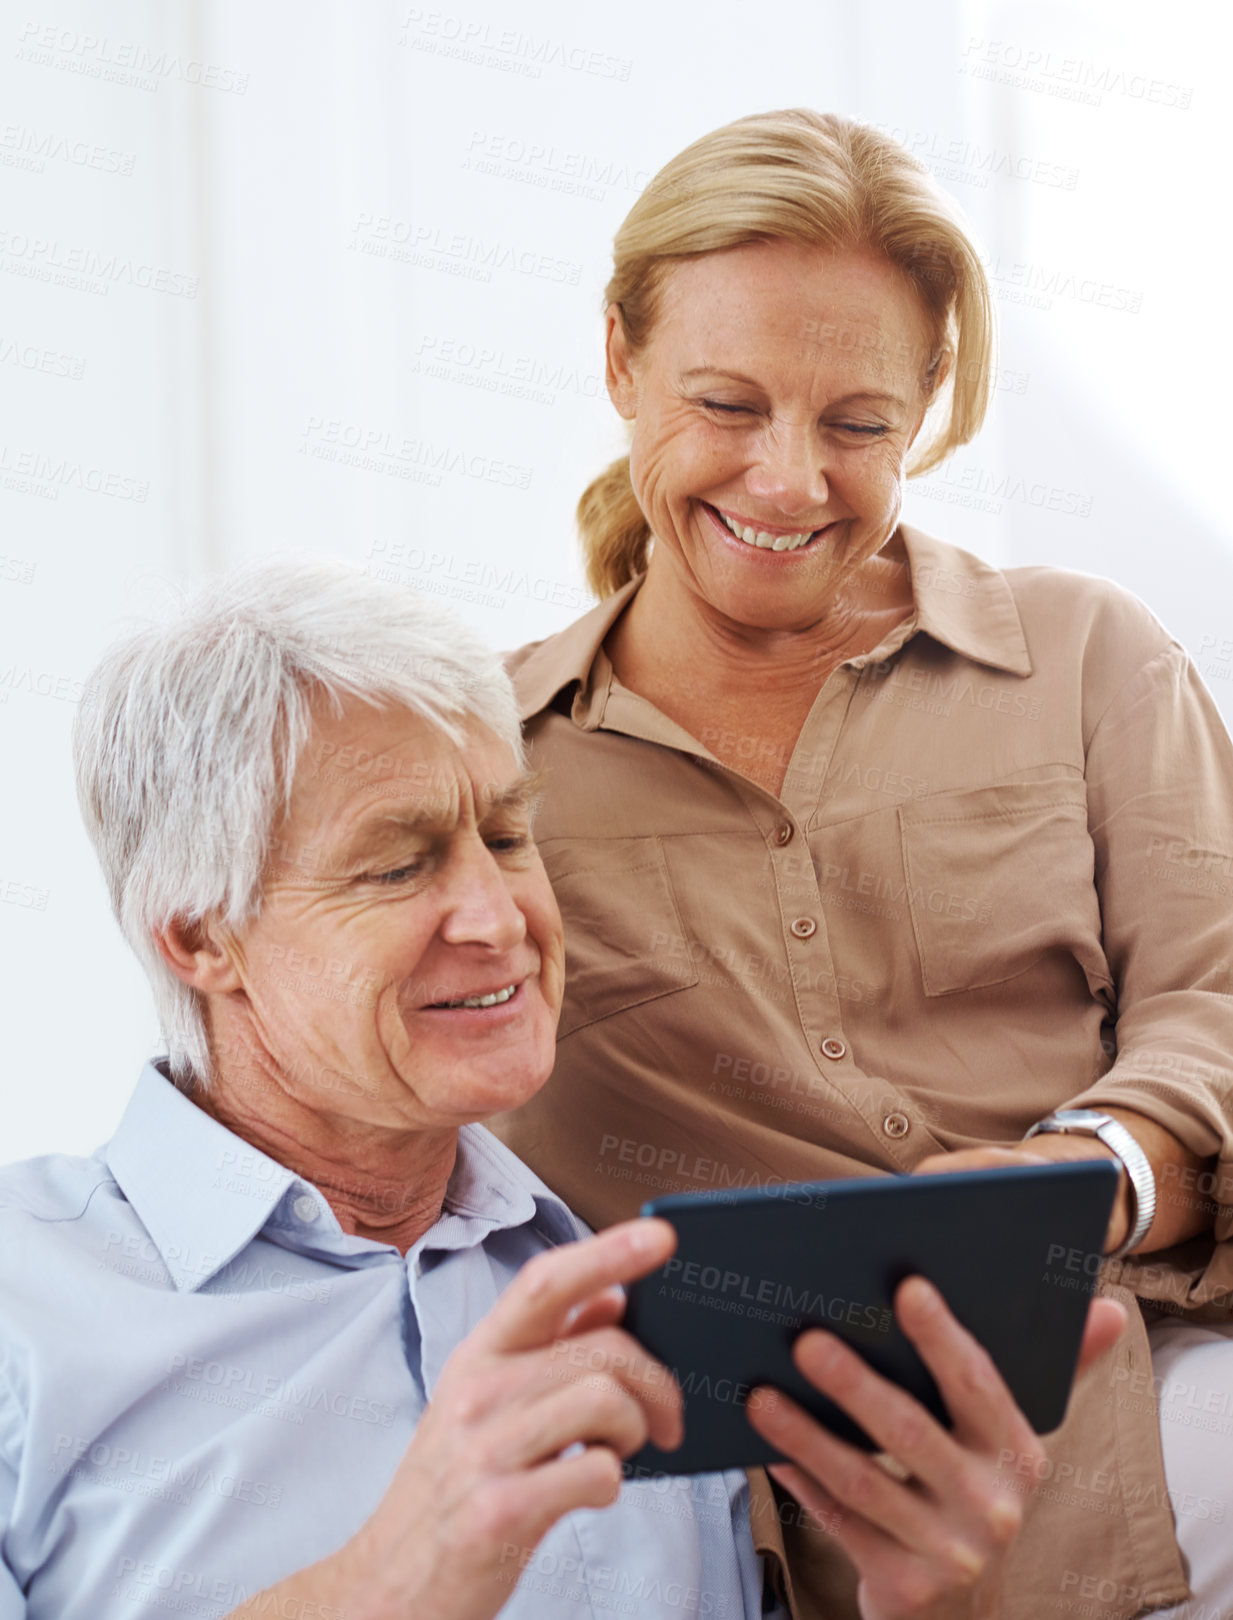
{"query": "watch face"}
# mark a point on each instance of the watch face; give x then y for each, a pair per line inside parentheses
(1080, 1119)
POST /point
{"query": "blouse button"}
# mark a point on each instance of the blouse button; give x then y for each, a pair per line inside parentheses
(783, 834)
(803, 927)
(896, 1125)
(833, 1048)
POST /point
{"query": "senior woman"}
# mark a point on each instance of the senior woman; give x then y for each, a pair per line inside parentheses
(302, 1321)
(871, 856)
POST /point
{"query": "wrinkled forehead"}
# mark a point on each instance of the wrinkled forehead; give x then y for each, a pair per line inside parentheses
(366, 775)
(853, 315)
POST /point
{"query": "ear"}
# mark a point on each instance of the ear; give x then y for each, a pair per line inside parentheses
(941, 372)
(618, 372)
(196, 952)
(935, 382)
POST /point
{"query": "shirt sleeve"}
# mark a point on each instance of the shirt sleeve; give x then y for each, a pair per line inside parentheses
(12, 1599)
(1160, 803)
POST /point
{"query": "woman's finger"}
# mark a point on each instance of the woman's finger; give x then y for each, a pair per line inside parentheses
(982, 1158)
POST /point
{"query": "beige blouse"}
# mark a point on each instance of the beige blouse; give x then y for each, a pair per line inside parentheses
(998, 881)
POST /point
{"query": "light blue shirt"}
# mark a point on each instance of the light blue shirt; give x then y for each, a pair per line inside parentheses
(205, 1384)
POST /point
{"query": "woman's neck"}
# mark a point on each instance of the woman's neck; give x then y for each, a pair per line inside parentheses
(670, 642)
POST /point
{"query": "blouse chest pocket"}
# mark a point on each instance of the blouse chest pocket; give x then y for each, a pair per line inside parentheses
(999, 877)
(624, 942)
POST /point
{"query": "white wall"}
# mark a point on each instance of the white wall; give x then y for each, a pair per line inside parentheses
(297, 226)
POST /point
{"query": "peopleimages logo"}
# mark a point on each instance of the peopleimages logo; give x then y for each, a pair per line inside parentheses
(98, 56)
(735, 1287)
(468, 39)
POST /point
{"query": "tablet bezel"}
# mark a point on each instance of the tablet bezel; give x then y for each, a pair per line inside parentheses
(1016, 1253)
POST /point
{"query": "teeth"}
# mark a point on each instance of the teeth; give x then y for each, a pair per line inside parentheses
(764, 541)
(493, 1000)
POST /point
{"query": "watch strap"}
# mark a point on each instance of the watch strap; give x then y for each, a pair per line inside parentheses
(1138, 1167)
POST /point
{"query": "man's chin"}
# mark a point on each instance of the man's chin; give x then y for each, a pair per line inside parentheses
(508, 1092)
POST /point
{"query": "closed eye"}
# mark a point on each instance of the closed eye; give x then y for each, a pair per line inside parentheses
(868, 430)
(508, 843)
(725, 409)
(398, 874)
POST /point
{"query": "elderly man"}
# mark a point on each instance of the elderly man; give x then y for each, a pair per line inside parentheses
(305, 1340)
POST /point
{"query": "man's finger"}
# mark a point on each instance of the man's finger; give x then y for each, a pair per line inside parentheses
(980, 1405)
(840, 1473)
(588, 1478)
(897, 1423)
(612, 1354)
(872, 1551)
(597, 1411)
(535, 1308)
(602, 1310)
(1106, 1319)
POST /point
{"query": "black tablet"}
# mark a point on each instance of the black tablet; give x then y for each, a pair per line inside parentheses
(1014, 1252)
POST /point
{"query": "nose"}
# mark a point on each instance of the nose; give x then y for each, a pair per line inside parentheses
(480, 908)
(788, 473)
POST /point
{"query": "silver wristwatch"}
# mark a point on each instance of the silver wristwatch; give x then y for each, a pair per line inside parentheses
(1137, 1165)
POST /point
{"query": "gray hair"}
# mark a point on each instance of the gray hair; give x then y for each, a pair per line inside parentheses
(188, 734)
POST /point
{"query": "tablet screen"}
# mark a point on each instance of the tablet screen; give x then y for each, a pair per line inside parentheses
(1015, 1253)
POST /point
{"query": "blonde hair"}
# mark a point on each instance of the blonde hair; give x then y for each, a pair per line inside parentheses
(816, 178)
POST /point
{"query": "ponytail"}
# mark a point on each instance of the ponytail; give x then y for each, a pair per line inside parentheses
(615, 534)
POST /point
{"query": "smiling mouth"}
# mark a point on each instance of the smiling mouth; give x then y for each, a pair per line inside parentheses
(760, 539)
(492, 998)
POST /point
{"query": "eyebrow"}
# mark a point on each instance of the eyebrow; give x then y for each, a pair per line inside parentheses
(520, 794)
(735, 376)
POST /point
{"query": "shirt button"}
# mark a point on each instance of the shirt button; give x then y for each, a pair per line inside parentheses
(803, 927)
(306, 1207)
(896, 1125)
(834, 1048)
(783, 835)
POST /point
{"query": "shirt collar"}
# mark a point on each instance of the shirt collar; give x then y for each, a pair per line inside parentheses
(490, 1183)
(964, 603)
(203, 1193)
(568, 656)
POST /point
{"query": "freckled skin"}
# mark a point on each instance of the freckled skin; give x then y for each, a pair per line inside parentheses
(808, 329)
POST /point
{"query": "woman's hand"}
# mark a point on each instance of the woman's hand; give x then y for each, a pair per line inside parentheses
(1051, 1149)
(1182, 1210)
(930, 1538)
(484, 1477)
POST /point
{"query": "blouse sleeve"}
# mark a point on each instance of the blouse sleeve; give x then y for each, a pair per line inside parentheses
(1160, 804)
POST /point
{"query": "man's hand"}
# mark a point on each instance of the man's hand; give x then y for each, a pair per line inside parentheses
(929, 1536)
(547, 1371)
